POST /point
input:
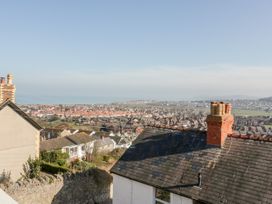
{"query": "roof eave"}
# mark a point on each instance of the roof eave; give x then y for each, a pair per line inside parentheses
(21, 113)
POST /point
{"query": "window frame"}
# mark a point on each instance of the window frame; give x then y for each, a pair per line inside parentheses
(161, 201)
(73, 151)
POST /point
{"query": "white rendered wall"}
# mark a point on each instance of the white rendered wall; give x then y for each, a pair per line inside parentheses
(122, 190)
(126, 191)
(176, 199)
(142, 193)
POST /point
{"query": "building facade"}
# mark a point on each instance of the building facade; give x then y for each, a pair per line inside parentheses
(76, 145)
(20, 139)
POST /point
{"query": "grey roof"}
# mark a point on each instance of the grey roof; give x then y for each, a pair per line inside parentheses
(60, 142)
(239, 172)
(21, 113)
(103, 142)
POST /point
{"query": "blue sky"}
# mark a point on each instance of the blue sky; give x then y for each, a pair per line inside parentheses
(89, 51)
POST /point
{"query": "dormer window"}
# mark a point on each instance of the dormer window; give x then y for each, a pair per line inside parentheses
(162, 197)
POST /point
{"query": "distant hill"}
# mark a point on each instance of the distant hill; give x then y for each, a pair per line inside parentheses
(268, 99)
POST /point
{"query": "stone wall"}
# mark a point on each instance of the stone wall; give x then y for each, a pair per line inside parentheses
(90, 187)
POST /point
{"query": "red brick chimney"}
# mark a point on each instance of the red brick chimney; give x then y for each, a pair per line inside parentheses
(219, 123)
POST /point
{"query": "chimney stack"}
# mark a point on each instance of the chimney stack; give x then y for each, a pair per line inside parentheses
(219, 123)
(7, 89)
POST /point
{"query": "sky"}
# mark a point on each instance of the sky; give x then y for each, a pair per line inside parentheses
(90, 51)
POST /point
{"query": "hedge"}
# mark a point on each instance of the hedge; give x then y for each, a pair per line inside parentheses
(55, 156)
(53, 168)
(81, 165)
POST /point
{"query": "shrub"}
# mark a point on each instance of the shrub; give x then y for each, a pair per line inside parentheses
(117, 153)
(98, 159)
(56, 156)
(106, 158)
(53, 168)
(5, 178)
(101, 177)
(32, 168)
(82, 165)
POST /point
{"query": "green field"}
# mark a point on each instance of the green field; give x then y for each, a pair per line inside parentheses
(241, 112)
(238, 112)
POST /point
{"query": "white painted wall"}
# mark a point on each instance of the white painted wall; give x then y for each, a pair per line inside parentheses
(142, 193)
(176, 199)
(122, 190)
(126, 191)
(78, 154)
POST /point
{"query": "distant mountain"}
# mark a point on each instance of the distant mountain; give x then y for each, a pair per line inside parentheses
(224, 98)
(268, 99)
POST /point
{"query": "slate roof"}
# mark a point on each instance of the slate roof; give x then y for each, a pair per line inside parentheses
(21, 113)
(60, 142)
(240, 172)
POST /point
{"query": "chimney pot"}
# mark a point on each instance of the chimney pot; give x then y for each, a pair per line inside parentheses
(228, 108)
(2, 80)
(9, 79)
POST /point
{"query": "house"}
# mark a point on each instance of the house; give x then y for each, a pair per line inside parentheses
(104, 145)
(66, 132)
(20, 139)
(124, 140)
(5, 198)
(50, 133)
(121, 142)
(75, 145)
(194, 167)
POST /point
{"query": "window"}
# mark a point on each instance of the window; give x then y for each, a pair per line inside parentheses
(162, 197)
(67, 150)
(73, 151)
